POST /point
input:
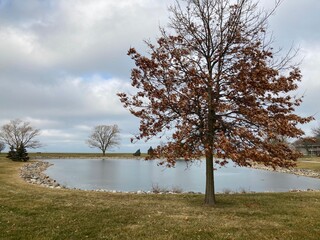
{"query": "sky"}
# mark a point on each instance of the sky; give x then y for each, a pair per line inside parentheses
(62, 63)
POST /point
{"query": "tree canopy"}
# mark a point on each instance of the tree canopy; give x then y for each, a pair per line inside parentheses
(214, 87)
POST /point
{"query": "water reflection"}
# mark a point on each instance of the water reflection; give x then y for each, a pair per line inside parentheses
(135, 175)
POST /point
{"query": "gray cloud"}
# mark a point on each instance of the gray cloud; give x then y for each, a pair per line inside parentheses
(78, 37)
(62, 62)
(295, 21)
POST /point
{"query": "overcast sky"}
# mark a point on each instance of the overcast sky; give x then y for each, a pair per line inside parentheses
(63, 61)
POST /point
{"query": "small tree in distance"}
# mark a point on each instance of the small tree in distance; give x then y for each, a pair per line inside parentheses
(137, 153)
(18, 132)
(150, 152)
(2, 146)
(215, 84)
(12, 154)
(19, 154)
(104, 137)
(316, 132)
(22, 153)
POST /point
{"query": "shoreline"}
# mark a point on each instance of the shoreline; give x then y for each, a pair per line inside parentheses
(33, 173)
(295, 171)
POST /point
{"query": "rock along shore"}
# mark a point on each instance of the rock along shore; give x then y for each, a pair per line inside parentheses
(33, 173)
(296, 171)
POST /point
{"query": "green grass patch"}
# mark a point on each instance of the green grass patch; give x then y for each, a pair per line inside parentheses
(33, 212)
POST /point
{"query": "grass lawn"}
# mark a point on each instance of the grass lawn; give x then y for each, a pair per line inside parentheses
(312, 163)
(33, 212)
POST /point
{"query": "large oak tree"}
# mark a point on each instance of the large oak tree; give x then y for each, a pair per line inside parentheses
(213, 84)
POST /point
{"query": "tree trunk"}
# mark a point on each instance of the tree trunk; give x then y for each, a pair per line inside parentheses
(103, 152)
(210, 192)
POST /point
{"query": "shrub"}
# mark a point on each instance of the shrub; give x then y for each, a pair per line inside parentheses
(20, 154)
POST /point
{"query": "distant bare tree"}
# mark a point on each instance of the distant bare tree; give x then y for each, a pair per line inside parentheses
(316, 132)
(104, 137)
(2, 146)
(17, 133)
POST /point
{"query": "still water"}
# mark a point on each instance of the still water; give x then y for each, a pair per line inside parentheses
(135, 175)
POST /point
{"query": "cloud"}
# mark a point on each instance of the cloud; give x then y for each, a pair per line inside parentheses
(73, 96)
(79, 37)
(294, 21)
(68, 109)
(62, 62)
(310, 84)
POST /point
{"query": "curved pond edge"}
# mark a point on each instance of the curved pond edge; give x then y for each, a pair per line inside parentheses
(33, 173)
(295, 171)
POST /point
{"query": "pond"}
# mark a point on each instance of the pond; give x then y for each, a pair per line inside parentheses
(140, 175)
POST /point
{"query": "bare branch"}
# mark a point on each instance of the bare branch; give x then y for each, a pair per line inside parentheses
(18, 132)
(104, 137)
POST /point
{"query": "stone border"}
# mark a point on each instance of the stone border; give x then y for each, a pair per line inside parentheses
(295, 171)
(33, 173)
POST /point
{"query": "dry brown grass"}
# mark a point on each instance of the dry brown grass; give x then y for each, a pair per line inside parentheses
(312, 163)
(33, 212)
